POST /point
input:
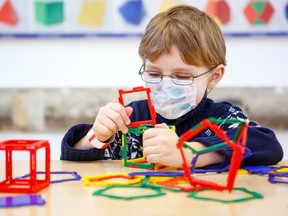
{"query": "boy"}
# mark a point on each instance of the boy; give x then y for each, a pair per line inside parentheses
(183, 53)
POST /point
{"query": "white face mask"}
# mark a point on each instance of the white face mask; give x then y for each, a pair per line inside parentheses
(173, 101)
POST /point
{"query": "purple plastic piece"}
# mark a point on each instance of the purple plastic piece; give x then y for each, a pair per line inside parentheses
(273, 175)
(22, 200)
(75, 175)
(261, 170)
(156, 173)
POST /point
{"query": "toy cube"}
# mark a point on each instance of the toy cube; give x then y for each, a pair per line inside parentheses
(49, 13)
(25, 185)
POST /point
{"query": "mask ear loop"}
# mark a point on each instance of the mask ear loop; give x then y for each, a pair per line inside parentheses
(207, 90)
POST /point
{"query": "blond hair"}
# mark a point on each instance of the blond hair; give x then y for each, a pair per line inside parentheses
(196, 35)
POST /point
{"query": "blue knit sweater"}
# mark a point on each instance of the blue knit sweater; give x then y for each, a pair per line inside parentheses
(262, 144)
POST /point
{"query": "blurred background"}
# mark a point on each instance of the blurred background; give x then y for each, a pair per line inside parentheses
(62, 60)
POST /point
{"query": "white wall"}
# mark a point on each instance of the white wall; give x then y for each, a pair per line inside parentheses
(114, 62)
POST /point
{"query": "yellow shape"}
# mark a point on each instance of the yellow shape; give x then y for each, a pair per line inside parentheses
(98, 180)
(242, 171)
(281, 170)
(92, 13)
(166, 4)
(156, 179)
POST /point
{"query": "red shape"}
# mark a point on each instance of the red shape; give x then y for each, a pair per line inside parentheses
(19, 185)
(8, 14)
(267, 13)
(219, 10)
(251, 13)
(254, 17)
(151, 121)
(238, 148)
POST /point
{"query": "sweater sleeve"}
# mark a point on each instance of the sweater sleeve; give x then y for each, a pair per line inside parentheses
(73, 135)
(262, 146)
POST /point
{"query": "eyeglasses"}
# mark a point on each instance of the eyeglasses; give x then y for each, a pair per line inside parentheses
(177, 78)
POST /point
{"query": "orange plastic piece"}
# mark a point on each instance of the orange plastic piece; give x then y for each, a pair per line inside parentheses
(25, 185)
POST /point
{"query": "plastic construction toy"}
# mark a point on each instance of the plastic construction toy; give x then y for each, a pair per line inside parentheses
(159, 174)
(139, 127)
(22, 200)
(253, 195)
(32, 184)
(237, 144)
(278, 178)
(261, 170)
(153, 182)
(153, 192)
(75, 175)
(105, 179)
(139, 89)
(138, 162)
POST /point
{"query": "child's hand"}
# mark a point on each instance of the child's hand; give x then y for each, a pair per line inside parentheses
(159, 146)
(110, 119)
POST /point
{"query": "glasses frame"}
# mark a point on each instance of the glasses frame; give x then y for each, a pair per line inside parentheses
(142, 70)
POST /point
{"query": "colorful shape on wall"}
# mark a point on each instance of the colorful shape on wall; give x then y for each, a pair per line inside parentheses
(92, 13)
(166, 4)
(133, 11)
(49, 13)
(8, 14)
(219, 10)
(259, 12)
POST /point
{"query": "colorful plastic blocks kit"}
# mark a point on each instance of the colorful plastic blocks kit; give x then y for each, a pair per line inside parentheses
(32, 184)
(237, 144)
(106, 179)
(139, 127)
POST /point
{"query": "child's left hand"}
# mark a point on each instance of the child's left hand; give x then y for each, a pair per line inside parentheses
(159, 146)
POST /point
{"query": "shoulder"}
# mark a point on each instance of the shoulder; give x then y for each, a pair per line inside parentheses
(225, 109)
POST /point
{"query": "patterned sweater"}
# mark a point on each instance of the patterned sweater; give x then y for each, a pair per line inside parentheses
(262, 146)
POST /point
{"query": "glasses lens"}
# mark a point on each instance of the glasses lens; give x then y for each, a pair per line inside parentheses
(182, 78)
(151, 77)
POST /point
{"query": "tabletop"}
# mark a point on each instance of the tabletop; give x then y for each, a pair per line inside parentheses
(75, 198)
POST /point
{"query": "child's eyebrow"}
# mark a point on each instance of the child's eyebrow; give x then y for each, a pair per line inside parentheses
(152, 67)
(177, 69)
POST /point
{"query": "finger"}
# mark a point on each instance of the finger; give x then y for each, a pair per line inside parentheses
(129, 111)
(117, 113)
(122, 111)
(162, 125)
(148, 150)
(104, 125)
(150, 133)
(153, 158)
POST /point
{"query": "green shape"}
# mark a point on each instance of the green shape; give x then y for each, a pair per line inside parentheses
(104, 192)
(259, 22)
(49, 13)
(259, 7)
(251, 195)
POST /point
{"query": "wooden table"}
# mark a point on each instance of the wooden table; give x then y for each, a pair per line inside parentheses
(74, 198)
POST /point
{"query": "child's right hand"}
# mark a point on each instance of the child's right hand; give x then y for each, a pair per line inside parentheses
(110, 119)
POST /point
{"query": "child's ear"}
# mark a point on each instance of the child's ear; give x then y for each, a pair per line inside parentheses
(216, 76)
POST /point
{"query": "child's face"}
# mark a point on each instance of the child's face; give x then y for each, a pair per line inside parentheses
(172, 62)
